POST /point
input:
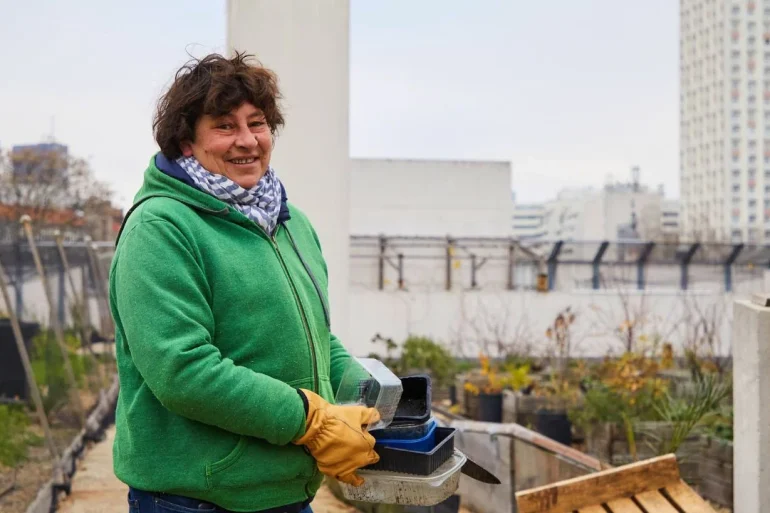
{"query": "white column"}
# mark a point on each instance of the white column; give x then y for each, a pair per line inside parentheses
(306, 43)
(751, 381)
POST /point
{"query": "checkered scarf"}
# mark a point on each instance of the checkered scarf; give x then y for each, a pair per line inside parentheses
(261, 203)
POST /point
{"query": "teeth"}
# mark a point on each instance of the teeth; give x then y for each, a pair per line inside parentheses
(243, 161)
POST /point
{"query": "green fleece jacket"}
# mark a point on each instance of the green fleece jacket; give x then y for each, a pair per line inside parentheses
(217, 324)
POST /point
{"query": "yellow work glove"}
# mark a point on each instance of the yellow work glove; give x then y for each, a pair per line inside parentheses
(336, 437)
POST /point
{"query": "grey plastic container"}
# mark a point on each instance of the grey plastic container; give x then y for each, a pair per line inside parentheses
(368, 382)
(397, 488)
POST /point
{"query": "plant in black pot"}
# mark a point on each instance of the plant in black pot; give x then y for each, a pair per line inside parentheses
(484, 397)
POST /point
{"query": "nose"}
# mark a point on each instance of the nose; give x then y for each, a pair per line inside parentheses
(245, 139)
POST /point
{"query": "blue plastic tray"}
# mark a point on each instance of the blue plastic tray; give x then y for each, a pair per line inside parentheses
(422, 444)
(404, 431)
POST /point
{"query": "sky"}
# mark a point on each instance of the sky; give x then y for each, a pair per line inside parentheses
(572, 93)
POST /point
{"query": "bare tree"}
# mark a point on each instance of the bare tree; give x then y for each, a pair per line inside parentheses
(52, 187)
(492, 330)
(702, 327)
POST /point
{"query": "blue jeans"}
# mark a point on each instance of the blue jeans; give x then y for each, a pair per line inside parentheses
(145, 502)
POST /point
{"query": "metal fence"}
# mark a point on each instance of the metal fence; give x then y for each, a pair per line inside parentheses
(478, 262)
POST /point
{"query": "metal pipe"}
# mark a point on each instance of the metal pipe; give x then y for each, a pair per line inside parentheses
(26, 222)
(511, 262)
(400, 271)
(449, 253)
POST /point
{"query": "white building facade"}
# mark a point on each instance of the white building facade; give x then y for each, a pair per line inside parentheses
(528, 221)
(430, 198)
(725, 120)
(617, 211)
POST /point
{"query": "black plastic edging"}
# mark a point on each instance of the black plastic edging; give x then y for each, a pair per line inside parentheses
(102, 416)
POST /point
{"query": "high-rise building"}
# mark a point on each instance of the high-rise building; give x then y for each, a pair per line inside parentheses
(528, 221)
(725, 120)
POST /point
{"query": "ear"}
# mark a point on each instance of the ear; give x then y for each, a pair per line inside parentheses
(186, 148)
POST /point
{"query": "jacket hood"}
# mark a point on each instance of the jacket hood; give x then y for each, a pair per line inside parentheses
(164, 178)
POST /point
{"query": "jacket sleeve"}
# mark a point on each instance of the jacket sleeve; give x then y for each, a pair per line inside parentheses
(160, 294)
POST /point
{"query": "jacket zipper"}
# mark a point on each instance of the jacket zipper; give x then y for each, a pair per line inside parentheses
(324, 305)
(326, 316)
(302, 314)
(305, 324)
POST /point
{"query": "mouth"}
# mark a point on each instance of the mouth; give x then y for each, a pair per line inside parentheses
(244, 160)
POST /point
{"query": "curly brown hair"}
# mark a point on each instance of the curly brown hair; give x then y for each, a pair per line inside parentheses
(213, 85)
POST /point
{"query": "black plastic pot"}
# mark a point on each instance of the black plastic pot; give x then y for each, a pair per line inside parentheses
(414, 405)
(13, 382)
(416, 462)
(490, 407)
(555, 425)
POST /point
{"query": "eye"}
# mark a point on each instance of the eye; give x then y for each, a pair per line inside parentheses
(256, 124)
(224, 126)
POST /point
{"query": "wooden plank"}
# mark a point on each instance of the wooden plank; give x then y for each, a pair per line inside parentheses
(624, 506)
(596, 508)
(598, 488)
(687, 499)
(654, 501)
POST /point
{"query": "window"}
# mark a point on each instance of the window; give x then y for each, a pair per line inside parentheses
(736, 187)
(752, 203)
(736, 173)
(752, 218)
(735, 54)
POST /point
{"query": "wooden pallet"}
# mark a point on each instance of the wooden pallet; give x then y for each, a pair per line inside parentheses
(651, 486)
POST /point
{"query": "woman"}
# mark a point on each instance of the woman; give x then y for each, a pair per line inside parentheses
(218, 289)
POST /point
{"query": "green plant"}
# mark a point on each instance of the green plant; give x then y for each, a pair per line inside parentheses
(693, 410)
(720, 425)
(622, 391)
(48, 367)
(13, 441)
(419, 353)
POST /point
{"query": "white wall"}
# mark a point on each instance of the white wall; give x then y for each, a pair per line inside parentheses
(472, 321)
(431, 198)
(307, 45)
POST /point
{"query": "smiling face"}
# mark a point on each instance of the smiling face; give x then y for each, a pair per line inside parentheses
(236, 145)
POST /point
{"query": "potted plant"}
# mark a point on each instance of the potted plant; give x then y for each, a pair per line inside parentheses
(484, 399)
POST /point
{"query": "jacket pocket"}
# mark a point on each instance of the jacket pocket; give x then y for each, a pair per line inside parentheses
(254, 461)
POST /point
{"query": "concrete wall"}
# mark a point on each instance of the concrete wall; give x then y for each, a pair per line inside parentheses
(472, 321)
(431, 198)
(307, 45)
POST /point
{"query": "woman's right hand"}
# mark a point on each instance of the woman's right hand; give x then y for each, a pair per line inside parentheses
(336, 437)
